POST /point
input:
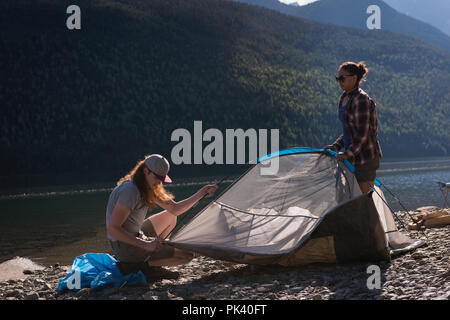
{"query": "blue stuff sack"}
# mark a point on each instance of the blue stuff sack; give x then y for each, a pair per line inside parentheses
(97, 271)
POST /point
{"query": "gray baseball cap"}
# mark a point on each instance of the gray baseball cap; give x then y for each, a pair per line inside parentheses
(159, 165)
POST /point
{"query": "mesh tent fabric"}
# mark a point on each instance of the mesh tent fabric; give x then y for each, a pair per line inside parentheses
(397, 241)
(272, 214)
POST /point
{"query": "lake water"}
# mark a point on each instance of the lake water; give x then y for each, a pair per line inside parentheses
(55, 223)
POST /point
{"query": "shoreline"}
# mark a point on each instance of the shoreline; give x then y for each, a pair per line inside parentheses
(416, 275)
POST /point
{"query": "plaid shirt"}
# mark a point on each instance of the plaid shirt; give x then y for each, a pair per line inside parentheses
(361, 121)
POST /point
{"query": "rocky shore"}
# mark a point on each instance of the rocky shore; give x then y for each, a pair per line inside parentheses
(422, 274)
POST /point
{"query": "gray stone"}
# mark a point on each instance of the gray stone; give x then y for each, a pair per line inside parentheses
(46, 287)
(418, 256)
(149, 296)
(15, 293)
(32, 296)
(83, 292)
(408, 263)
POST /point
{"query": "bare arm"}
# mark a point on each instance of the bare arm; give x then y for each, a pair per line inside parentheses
(115, 229)
(177, 208)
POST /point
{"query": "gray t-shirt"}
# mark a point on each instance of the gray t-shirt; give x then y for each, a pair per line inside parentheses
(128, 195)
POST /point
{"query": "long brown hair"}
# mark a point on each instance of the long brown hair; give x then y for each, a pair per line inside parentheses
(148, 194)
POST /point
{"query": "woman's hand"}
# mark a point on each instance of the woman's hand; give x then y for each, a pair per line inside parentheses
(177, 208)
(153, 245)
(331, 147)
(342, 157)
(209, 190)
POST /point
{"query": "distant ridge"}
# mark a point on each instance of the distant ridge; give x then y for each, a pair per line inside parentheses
(352, 13)
(434, 12)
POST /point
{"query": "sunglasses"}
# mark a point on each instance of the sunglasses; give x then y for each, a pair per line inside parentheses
(342, 78)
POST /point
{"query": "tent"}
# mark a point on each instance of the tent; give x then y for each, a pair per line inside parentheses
(310, 210)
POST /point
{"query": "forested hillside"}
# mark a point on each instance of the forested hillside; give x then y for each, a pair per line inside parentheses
(101, 97)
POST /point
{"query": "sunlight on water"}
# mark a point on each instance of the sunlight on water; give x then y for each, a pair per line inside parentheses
(415, 182)
(50, 194)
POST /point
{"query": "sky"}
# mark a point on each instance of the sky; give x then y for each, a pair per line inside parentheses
(300, 2)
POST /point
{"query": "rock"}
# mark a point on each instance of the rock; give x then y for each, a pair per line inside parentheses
(173, 297)
(262, 289)
(418, 255)
(32, 296)
(408, 263)
(199, 296)
(46, 287)
(83, 292)
(28, 271)
(428, 295)
(427, 208)
(14, 293)
(149, 296)
(444, 296)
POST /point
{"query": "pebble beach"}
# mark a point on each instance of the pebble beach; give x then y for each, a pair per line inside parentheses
(422, 274)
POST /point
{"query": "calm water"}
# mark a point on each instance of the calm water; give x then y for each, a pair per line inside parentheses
(56, 223)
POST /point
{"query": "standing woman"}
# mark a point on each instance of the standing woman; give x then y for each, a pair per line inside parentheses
(135, 239)
(357, 112)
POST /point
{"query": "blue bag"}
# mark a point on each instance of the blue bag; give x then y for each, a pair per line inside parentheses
(97, 271)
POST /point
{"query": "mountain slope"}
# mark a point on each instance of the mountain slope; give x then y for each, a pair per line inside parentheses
(101, 97)
(436, 12)
(352, 13)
